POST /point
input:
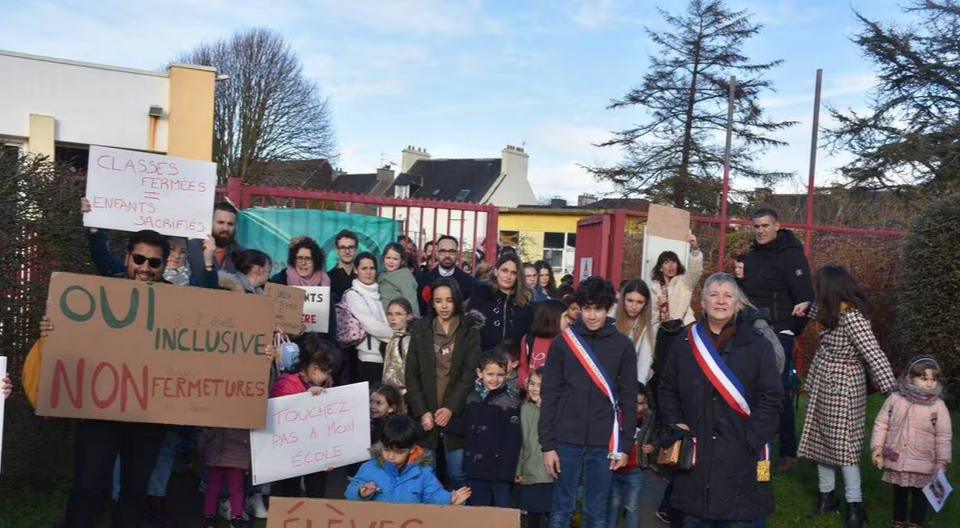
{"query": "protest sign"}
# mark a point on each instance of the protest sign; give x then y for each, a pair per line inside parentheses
(289, 307)
(3, 372)
(130, 191)
(938, 490)
(307, 433)
(668, 222)
(316, 513)
(134, 351)
(316, 308)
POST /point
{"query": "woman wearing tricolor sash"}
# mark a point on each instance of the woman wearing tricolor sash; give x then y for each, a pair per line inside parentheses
(721, 382)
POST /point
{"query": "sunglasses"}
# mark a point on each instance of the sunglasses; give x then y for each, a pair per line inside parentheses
(139, 259)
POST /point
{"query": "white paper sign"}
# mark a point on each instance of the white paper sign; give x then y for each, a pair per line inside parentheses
(586, 267)
(306, 433)
(130, 191)
(3, 373)
(938, 490)
(316, 309)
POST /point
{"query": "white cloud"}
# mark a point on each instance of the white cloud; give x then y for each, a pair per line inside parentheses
(568, 180)
(571, 137)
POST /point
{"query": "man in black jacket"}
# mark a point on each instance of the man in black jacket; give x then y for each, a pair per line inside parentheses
(577, 417)
(448, 249)
(776, 276)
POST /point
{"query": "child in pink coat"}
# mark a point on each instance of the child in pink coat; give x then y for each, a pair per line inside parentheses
(911, 438)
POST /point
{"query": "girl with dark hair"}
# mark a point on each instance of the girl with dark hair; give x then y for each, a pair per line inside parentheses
(253, 271)
(548, 321)
(364, 302)
(634, 320)
(305, 263)
(505, 303)
(444, 348)
(546, 282)
(835, 423)
(397, 280)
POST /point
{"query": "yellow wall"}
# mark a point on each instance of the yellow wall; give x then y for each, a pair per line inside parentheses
(533, 224)
(41, 135)
(190, 122)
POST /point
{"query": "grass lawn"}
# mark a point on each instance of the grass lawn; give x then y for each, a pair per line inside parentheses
(796, 493)
(30, 509)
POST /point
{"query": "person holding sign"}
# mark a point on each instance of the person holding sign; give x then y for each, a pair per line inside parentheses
(5, 386)
(224, 234)
(721, 385)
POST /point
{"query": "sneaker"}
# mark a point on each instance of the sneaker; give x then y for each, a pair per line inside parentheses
(239, 522)
(209, 521)
(255, 506)
(224, 509)
(664, 516)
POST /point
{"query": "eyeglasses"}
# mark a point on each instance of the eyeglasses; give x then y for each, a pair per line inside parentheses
(139, 259)
(304, 259)
(446, 251)
(347, 248)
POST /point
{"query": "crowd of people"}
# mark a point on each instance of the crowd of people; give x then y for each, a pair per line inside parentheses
(503, 388)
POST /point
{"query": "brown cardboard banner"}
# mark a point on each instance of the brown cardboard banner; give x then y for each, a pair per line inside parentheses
(668, 222)
(289, 306)
(314, 513)
(145, 352)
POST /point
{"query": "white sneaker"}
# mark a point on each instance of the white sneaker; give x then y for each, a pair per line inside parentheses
(255, 506)
(224, 510)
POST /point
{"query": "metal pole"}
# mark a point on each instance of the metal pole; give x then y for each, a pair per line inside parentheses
(726, 174)
(808, 229)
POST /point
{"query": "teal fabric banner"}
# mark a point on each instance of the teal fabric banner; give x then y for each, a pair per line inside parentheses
(270, 230)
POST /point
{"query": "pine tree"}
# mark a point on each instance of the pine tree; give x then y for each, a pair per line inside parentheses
(676, 156)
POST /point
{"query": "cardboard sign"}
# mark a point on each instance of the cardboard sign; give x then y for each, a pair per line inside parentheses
(316, 308)
(668, 222)
(3, 372)
(938, 490)
(317, 513)
(135, 351)
(306, 433)
(130, 191)
(289, 306)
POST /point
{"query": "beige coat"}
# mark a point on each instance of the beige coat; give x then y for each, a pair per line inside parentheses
(909, 430)
(680, 290)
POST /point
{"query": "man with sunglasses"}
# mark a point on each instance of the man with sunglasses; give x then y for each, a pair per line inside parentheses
(448, 251)
(342, 275)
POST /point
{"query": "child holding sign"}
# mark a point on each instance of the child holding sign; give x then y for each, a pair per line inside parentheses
(400, 471)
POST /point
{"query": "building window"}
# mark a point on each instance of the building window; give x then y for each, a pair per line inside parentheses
(401, 191)
(75, 157)
(559, 249)
(462, 195)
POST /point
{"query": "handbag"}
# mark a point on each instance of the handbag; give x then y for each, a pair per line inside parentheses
(681, 453)
(349, 330)
(672, 327)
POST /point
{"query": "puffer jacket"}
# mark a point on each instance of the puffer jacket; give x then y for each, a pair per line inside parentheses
(395, 361)
(776, 276)
(505, 317)
(414, 484)
(398, 283)
(911, 430)
(680, 290)
(220, 447)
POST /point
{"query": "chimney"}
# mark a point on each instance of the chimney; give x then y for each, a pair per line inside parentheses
(586, 199)
(337, 173)
(385, 174)
(558, 202)
(411, 155)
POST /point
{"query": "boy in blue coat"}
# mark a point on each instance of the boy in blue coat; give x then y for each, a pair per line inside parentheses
(399, 471)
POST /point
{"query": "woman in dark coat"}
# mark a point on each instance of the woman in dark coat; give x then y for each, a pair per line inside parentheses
(506, 303)
(441, 370)
(729, 482)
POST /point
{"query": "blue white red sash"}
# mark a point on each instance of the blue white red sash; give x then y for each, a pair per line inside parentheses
(719, 374)
(600, 377)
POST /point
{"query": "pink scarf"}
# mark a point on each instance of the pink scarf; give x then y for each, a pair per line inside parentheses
(319, 278)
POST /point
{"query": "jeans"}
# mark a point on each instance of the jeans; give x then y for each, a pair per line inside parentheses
(690, 521)
(851, 481)
(454, 465)
(97, 445)
(788, 424)
(488, 493)
(161, 472)
(625, 491)
(593, 462)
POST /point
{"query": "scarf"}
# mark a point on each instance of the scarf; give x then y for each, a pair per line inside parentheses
(319, 278)
(481, 390)
(177, 276)
(665, 307)
(916, 395)
(443, 342)
(247, 287)
(728, 331)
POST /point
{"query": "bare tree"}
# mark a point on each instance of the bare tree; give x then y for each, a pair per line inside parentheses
(267, 110)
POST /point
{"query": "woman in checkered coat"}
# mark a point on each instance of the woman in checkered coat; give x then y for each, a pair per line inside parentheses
(835, 423)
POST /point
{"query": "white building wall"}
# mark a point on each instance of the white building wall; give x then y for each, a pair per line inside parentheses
(513, 188)
(92, 104)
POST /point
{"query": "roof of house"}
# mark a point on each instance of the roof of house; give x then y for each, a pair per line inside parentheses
(606, 204)
(462, 180)
(317, 175)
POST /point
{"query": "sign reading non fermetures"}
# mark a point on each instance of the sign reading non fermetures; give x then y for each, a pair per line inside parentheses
(130, 191)
(290, 300)
(134, 351)
(317, 513)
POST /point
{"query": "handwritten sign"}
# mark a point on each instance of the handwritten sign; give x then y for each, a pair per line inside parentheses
(322, 513)
(316, 308)
(668, 222)
(134, 351)
(3, 372)
(938, 490)
(130, 191)
(289, 306)
(307, 433)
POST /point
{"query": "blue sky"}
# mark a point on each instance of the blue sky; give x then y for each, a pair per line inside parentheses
(465, 78)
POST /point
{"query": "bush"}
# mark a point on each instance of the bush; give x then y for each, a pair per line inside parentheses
(928, 313)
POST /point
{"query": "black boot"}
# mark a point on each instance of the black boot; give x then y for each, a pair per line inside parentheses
(856, 516)
(828, 504)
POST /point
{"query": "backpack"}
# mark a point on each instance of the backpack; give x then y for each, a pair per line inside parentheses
(349, 330)
(31, 372)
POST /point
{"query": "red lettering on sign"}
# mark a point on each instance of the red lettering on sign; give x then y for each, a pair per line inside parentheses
(60, 376)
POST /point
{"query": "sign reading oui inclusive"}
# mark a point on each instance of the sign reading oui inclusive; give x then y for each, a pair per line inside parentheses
(145, 352)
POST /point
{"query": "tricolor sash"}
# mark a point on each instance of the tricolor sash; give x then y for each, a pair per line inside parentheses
(719, 374)
(600, 377)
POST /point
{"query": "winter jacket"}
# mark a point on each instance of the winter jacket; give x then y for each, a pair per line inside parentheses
(288, 384)
(530, 464)
(421, 373)
(395, 361)
(505, 318)
(644, 347)
(723, 484)
(776, 276)
(221, 447)
(574, 410)
(414, 484)
(396, 284)
(340, 280)
(760, 319)
(531, 357)
(464, 280)
(912, 431)
(363, 301)
(108, 265)
(680, 290)
(491, 427)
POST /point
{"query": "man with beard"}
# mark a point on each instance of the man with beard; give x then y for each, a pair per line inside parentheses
(448, 251)
(224, 234)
